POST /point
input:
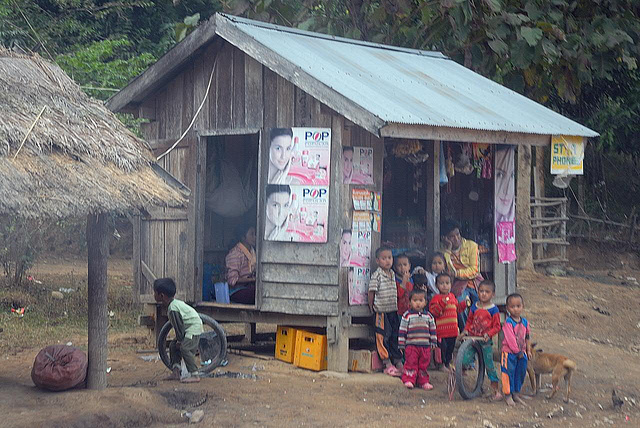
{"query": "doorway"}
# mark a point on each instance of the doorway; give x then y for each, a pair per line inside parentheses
(230, 206)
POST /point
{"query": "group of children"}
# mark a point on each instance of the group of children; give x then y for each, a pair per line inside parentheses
(406, 331)
(417, 313)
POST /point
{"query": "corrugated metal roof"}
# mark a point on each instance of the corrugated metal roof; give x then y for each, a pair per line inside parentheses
(408, 86)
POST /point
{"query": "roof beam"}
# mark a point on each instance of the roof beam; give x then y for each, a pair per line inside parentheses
(443, 133)
(296, 75)
(169, 64)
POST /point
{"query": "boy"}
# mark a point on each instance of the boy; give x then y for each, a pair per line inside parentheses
(404, 283)
(383, 302)
(416, 337)
(515, 349)
(484, 321)
(187, 325)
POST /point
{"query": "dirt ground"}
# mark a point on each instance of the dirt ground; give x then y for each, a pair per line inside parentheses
(590, 315)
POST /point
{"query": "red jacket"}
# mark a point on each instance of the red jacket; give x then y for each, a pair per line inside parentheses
(445, 310)
(403, 295)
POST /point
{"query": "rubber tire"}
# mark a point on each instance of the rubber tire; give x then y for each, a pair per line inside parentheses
(464, 347)
(206, 319)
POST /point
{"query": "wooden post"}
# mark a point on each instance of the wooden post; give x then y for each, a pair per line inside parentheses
(523, 209)
(432, 216)
(338, 326)
(539, 248)
(98, 252)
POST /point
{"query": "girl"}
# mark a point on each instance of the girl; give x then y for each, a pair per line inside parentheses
(240, 264)
(445, 308)
(438, 265)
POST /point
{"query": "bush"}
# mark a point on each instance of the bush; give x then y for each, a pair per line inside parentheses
(20, 242)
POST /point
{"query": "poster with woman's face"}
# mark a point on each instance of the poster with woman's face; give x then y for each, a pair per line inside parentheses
(505, 203)
(357, 165)
(296, 213)
(505, 183)
(299, 156)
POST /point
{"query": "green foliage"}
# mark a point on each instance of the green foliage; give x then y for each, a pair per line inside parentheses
(186, 26)
(107, 64)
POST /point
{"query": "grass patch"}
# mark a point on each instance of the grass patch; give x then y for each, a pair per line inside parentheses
(49, 320)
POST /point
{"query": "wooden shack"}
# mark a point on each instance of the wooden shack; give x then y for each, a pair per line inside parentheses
(216, 95)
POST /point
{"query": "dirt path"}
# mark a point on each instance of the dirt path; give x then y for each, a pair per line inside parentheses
(563, 319)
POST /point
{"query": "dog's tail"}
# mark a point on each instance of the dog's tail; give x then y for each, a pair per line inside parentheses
(569, 365)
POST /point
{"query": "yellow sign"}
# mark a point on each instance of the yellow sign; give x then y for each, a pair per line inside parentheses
(567, 154)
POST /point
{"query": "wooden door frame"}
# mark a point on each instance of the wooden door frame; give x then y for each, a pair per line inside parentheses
(204, 137)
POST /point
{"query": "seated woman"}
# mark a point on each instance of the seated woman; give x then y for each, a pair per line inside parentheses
(463, 262)
(241, 266)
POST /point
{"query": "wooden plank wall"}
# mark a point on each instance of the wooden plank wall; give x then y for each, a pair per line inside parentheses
(296, 278)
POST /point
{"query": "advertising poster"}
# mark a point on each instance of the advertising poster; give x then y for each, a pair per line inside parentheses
(358, 285)
(366, 200)
(299, 156)
(357, 165)
(504, 203)
(567, 155)
(296, 213)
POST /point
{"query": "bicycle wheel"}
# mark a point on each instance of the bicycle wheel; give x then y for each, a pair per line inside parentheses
(212, 348)
(470, 376)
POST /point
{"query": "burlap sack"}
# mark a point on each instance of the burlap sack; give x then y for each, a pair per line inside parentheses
(59, 367)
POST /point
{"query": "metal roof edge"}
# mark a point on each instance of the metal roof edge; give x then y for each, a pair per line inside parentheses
(269, 26)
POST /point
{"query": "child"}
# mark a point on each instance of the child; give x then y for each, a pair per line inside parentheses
(438, 265)
(515, 349)
(420, 282)
(187, 325)
(416, 337)
(445, 308)
(383, 302)
(404, 283)
(484, 321)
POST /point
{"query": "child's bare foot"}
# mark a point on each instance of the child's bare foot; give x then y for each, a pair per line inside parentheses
(510, 401)
(518, 399)
(496, 397)
(427, 386)
(191, 379)
(408, 384)
(175, 375)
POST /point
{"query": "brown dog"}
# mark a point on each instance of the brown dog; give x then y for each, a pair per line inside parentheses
(544, 363)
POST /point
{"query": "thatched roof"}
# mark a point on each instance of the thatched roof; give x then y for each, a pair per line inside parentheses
(78, 158)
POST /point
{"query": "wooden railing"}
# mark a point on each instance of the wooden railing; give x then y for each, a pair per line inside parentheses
(549, 230)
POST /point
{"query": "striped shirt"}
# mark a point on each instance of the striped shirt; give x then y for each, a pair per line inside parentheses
(384, 285)
(417, 329)
(238, 265)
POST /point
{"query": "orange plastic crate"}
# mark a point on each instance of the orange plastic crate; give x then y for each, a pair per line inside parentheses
(286, 343)
(311, 351)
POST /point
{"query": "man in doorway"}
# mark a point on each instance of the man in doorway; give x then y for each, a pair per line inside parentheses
(463, 262)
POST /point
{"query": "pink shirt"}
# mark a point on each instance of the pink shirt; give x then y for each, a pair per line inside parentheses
(515, 335)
